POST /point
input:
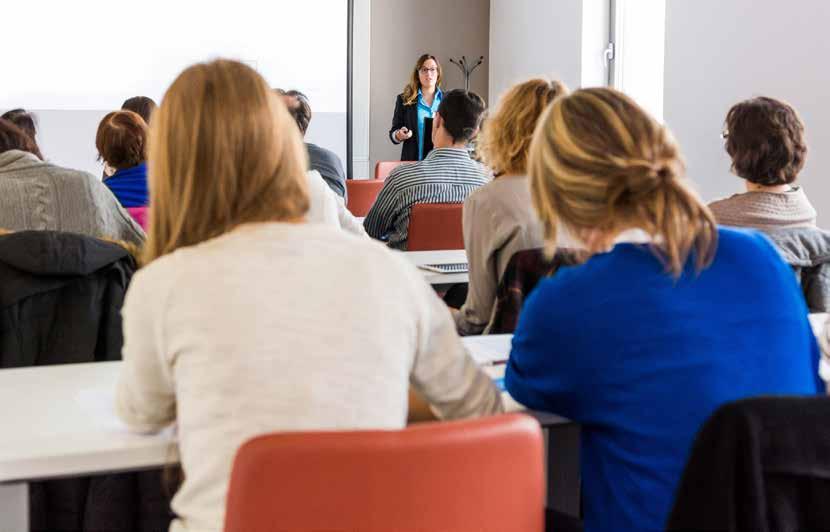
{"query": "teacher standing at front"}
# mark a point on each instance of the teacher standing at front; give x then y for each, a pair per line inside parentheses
(418, 102)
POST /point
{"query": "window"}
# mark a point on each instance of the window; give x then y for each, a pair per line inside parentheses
(638, 50)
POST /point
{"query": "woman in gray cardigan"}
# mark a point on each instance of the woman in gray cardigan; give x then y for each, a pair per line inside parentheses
(38, 195)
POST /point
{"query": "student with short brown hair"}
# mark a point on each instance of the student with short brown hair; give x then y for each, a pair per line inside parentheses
(121, 141)
(668, 319)
(765, 139)
(239, 325)
(447, 175)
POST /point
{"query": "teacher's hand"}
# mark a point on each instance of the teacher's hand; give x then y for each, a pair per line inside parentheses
(402, 134)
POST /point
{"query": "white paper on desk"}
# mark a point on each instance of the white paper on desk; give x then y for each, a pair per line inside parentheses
(488, 349)
(99, 405)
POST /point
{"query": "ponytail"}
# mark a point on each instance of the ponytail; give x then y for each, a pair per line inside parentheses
(598, 161)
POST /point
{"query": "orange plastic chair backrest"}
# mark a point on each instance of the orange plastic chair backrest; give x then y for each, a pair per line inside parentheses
(477, 475)
(384, 168)
(435, 226)
(362, 195)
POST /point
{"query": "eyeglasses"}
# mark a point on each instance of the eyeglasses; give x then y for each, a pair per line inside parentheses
(426, 70)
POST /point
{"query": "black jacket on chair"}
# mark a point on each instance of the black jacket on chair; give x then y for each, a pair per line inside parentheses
(759, 465)
(60, 298)
(60, 302)
(407, 116)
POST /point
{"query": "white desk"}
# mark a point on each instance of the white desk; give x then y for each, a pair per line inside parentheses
(59, 421)
(448, 256)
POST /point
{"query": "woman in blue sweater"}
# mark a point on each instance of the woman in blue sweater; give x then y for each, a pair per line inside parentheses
(670, 317)
(122, 145)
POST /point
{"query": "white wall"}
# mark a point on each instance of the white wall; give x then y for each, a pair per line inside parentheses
(534, 38)
(402, 30)
(67, 138)
(554, 39)
(718, 53)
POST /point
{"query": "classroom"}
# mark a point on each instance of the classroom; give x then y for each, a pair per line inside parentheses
(434, 266)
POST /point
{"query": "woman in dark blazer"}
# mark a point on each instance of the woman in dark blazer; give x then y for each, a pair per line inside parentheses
(418, 103)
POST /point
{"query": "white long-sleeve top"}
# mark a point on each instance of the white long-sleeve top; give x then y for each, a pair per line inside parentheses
(283, 327)
(328, 208)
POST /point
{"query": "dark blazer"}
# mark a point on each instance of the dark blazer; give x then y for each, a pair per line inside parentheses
(331, 169)
(406, 116)
(758, 465)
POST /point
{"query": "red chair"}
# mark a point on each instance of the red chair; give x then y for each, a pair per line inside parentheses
(483, 475)
(435, 226)
(139, 214)
(362, 195)
(384, 168)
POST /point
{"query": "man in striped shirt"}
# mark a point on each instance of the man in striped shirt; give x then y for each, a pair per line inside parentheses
(446, 175)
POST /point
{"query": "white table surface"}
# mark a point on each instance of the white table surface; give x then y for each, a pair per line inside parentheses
(59, 420)
(448, 256)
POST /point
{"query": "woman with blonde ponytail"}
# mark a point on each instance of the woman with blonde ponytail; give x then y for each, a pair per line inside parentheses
(669, 318)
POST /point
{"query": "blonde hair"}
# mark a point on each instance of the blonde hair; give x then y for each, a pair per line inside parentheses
(410, 92)
(505, 138)
(598, 161)
(223, 152)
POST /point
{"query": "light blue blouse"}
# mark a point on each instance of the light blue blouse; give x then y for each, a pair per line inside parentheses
(424, 112)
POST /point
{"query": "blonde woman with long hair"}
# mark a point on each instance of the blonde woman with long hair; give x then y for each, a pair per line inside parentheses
(418, 102)
(248, 320)
(668, 319)
(499, 219)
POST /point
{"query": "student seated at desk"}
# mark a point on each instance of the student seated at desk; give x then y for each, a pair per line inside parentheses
(499, 219)
(670, 318)
(446, 175)
(765, 139)
(122, 145)
(239, 325)
(37, 195)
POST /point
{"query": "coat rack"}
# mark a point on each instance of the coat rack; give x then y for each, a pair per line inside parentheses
(466, 69)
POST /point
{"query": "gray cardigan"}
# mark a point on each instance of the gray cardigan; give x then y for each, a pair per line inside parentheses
(36, 195)
(807, 250)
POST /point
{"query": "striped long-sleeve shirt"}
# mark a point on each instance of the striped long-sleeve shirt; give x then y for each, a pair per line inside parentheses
(446, 175)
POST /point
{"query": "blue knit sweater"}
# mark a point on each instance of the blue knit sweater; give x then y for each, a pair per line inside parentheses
(130, 186)
(640, 360)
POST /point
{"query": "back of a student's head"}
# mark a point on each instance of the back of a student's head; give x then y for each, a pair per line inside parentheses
(121, 139)
(298, 106)
(13, 137)
(600, 164)
(461, 113)
(224, 151)
(765, 139)
(24, 120)
(143, 106)
(505, 139)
